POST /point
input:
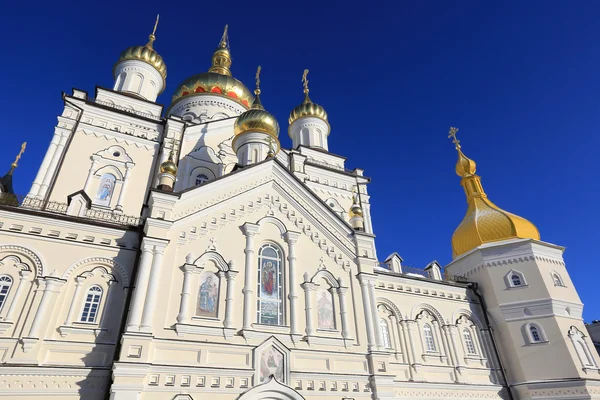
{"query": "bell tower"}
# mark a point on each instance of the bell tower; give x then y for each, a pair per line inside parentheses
(533, 307)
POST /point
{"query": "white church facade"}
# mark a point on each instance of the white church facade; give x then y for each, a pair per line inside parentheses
(183, 254)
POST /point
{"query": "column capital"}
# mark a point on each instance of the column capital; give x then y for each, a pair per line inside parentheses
(231, 274)
(365, 279)
(342, 290)
(292, 237)
(250, 229)
(188, 268)
(79, 280)
(24, 273)
(308, 286)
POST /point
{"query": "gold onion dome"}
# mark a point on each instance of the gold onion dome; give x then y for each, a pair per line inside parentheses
(256, 119)
(307, 108)
(146, 54)
(217, 80)
(355, 208)
(169, 167)
(484, 221)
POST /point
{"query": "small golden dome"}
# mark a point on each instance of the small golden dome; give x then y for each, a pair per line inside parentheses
(484, 221)
(355, 208)
(146, 54)
(257, 119)
(307, 108)
(169, 167)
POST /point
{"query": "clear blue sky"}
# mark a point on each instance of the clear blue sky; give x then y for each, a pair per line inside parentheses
(520, 80)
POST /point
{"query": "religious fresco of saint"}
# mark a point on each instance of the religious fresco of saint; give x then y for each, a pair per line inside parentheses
(105, 190)
(208, 295)
(269, 292)
(271, 363)
(325, 309)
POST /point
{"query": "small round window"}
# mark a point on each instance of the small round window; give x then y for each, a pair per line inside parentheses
(117, 154)
(331, 205)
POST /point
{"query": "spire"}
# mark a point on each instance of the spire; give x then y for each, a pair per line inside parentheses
(6, 181)
(257, 104)
(152, 36)
(484, 221)
(221, 59)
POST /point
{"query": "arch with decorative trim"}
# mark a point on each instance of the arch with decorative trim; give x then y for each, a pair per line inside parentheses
(26, 253)
(391, 306)
(327, 276)
(275, 221)
(469, 314)
(417, 309)
(99, 261)
(215, 257)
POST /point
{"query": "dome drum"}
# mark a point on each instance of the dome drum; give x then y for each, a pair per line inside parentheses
(254, 147)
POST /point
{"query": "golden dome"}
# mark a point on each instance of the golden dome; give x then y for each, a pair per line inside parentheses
(484, 221)
(355, 209)
(169, 167)
(307, 108)
(146, 54)
(218, 79)
(257, 119)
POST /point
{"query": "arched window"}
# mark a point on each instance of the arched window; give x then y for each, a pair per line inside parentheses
(270, 286)
(325, 312)
(557, 279)
(428, 335)
(385, 333)
(5, 284)
(516, 280)
(91, 305)
(535, 334)
(469, 345)
(201, 178)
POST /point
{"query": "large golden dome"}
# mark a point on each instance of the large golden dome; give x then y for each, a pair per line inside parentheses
(146, 54)
(307, 108)
(214, 83)
(218, 79)
(484, 221)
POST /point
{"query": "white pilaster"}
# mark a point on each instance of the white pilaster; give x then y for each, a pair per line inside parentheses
(50, 172)
(364, 289)
(75, 300)
(37, 182)
(119, 206)
(52, 286)
(343, 311)
(249, 272)
(372, 298)
(292, 238)
(184, 306)
(229, 298)
(141, 283)
(308, 300)
(13, 305)
(151, 293)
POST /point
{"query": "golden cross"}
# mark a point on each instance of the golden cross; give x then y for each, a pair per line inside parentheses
(155, 24)
(305, 80)
(258, 77)
(452, 134)
(23, 146)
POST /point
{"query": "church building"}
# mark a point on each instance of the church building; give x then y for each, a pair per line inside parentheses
(183, 254)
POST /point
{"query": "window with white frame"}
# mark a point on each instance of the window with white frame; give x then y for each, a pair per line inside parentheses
(469, 345)
(557, 279)
(91, 304)
(5, 284)
(201, 178)
(515, 279)
(385, 333)
(535, 333)
(428, 336)
(270, 286)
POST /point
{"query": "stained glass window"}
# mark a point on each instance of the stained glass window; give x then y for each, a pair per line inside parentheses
(270, 290)
(91, 305)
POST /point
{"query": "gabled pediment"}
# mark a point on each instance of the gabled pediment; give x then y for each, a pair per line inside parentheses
(264, 190)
